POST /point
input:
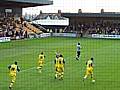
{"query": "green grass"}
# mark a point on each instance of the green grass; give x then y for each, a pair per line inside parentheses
(105, 52)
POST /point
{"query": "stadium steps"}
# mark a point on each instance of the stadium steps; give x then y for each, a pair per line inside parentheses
(40, 27)
(28, 30)
(33, 28)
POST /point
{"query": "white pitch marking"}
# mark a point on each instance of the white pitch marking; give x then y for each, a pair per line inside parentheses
(28, 69)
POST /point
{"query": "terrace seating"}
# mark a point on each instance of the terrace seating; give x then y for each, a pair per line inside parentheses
(10, 26)
(33, 29)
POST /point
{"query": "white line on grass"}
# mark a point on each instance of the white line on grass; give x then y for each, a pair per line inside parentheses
(28, 69)
(35, 67)
(47, 63)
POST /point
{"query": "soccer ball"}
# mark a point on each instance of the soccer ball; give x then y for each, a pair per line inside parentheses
(93, 81)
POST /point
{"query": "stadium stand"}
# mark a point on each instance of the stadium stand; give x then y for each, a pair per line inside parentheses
(93, 23)
(16, 28)
(12, 24)
(99, 28)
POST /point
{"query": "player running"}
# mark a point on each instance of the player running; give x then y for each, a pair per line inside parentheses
(41, 61)
(56, 65)
(78, 51)
(59, 67)
(89, 69)
(13, 72)
(57, 54)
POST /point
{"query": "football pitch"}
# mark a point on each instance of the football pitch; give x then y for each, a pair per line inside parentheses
(106, 54)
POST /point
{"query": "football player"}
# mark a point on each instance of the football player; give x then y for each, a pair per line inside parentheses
(89, 69)
(78, 51)
(41, 60)
(13, 69)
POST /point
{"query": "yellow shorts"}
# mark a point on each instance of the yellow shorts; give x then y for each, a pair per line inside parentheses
(60, 69)
(89, 71)
(13, 77)
(40, 63)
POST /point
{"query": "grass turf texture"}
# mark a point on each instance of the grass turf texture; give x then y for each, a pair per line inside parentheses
(105, 52)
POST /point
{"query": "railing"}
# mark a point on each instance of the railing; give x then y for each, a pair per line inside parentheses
(34, 29)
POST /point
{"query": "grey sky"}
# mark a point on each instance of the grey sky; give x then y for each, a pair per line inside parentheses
(74, 5)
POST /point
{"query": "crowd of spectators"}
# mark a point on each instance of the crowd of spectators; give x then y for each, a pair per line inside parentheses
(11, 26)
(108, 28)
